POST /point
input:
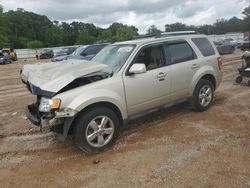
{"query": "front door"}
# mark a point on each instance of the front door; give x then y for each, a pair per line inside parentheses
(151, 89)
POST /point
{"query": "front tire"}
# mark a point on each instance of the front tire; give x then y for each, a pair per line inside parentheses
(202, 95)
(96, 129)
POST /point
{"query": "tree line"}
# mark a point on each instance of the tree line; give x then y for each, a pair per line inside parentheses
(24, 29)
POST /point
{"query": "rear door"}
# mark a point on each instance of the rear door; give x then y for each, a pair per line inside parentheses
(184, 64)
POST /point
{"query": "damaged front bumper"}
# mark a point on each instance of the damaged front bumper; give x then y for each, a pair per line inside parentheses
(58, 121)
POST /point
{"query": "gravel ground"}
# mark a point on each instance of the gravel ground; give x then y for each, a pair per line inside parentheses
(174, 148)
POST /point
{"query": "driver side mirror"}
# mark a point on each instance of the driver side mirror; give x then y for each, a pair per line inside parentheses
(137, 68)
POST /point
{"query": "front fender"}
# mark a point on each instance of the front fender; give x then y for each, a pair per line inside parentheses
(86, 99)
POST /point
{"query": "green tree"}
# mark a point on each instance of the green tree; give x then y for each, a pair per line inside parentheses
(1, 9)
(246, 11)
(176, 27)
(34, 44)
(105, 35)
(3, 40)
(85, 38)
(124, 33)
(67, 32)
(153, 30)
(53, 36)
(246, 20)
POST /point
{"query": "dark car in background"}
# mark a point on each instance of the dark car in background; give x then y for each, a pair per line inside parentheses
(224, 47)
(232, 41)
(46, 54)
(245, 44)
(86, 52)
(65, 51)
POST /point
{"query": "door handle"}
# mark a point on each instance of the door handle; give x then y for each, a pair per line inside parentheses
(195, 66)
(161, 75)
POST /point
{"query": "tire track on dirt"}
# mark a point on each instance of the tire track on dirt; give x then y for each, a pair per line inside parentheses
(11, 86)
(10, 95)
(14, 90)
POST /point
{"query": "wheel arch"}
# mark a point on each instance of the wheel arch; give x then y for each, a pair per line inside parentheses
(211, 78)
(207, 76)
(109, 105)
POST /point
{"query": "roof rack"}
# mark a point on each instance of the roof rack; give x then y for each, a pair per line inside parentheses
(175, 33)
(143, 36)
(164, 34)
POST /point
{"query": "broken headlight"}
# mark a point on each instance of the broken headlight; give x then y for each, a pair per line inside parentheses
(46, 105)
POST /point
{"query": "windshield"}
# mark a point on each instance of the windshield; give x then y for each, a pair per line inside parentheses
(79, 50)
(114, 56)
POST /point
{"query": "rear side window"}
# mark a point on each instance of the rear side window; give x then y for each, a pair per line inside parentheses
(180, 52)
(204, 46)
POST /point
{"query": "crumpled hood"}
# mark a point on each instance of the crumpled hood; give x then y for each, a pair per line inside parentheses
(54, 76)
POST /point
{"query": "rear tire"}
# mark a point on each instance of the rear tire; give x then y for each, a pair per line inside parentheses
(238, 79)
(202, 96)
(96, 129)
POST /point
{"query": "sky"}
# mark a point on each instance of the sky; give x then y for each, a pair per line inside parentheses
(140, 13)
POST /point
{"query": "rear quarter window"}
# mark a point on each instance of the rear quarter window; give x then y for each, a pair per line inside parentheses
(204, 46)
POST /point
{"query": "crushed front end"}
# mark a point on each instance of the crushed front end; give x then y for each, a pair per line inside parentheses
(47, 114)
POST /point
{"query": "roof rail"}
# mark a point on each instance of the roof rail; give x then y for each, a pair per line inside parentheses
(163, 34)
(175, 33)
(143, 36)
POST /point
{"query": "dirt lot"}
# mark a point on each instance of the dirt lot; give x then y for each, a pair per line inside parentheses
(175, 148)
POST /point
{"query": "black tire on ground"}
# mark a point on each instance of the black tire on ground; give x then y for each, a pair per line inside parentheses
(81, 128)
(195, 101)
(238, 79)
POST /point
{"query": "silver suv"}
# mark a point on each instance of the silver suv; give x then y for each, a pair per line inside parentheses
(125, 80)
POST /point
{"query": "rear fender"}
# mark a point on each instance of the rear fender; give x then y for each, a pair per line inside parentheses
(205, 70)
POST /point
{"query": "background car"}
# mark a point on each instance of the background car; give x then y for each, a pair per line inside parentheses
(245, 44)
(4, 58)
(86, 52)
(232, 41)
(65, 51)
(224, 47)
(10, 51)
(46, 54)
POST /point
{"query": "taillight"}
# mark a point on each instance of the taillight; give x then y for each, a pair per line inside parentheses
(219, 62)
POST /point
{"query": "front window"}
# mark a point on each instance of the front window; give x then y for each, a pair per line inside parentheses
(114, 56)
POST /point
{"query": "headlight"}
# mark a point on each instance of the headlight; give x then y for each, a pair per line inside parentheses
(1, 59)
(46, 105)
